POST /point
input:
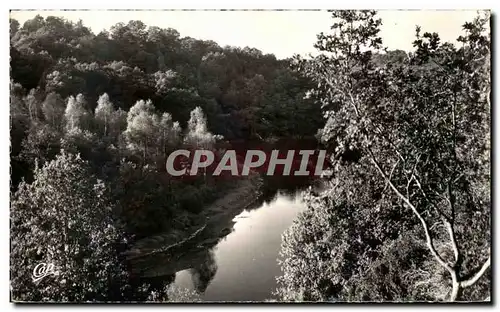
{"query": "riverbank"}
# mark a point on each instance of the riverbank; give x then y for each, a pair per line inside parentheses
(209, 226)
(242, 266)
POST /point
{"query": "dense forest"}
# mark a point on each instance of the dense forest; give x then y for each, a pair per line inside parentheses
(404, 217)
(111, 107)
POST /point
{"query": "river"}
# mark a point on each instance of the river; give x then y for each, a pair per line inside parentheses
(246, 259)
(240, 266)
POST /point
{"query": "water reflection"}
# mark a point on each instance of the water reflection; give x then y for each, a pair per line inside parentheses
(203, 273)
(243, 265)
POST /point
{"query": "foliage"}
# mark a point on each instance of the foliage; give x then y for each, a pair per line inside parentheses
(122, 100)
(410, 133)
(64, 218)
(133, 62)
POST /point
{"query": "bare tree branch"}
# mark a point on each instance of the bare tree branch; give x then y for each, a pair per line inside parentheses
(380, 132)
(471, 281)
(353, 104)
(451, 223)
(427, 198)
(453, 240)
(448, 221)
(412, 172)
(390, 175)
(412, 176)
(430, 243)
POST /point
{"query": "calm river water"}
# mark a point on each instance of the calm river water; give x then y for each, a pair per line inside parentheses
(243, 265)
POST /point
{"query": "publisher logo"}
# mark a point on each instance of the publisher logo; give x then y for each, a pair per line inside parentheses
(42, 270)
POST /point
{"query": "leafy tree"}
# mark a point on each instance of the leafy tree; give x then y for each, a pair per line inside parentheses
(64, 218)
(144, 196)
(163, 80)
(83, 142)
(76, 115)
(19, 119)
(170, 132)
(33, 104)
(118, 123)
(42, 142)
(53, 109)
(419, 129)
(103, 112)
(14, 26)
(34, 24)
(131, 62)
(19, 125)
(198, 134)
(142, 125)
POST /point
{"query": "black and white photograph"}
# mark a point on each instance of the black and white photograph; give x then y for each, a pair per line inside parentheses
(250, 156)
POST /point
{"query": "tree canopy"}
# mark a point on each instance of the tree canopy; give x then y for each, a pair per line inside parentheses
(411, 169)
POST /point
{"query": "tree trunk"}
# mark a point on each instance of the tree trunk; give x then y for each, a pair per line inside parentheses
(455, 286)
(105, 124)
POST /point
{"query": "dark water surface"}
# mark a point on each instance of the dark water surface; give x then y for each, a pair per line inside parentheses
(243, 265)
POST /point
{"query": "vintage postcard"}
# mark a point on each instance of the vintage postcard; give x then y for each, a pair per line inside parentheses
(250, 156)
